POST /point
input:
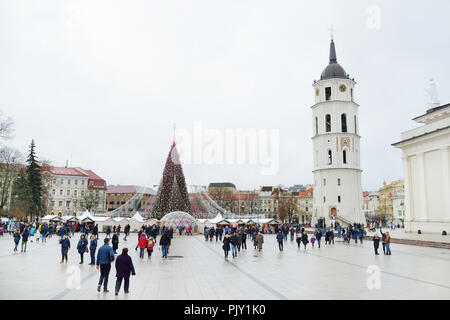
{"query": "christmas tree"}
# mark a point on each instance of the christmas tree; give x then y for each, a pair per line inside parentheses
(172, 191)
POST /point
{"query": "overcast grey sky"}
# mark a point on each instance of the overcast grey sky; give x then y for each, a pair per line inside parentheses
(102, 82)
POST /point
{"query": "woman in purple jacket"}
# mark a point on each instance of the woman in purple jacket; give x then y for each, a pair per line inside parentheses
(124, 266)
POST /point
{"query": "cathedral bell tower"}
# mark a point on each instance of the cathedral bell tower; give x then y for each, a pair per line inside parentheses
(336, 147)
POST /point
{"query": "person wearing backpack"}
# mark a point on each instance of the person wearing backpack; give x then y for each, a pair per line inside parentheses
(150, 245)
(142, 244)
(24, 240)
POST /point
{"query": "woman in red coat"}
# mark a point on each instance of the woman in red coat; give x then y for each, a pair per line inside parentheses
(142, 244)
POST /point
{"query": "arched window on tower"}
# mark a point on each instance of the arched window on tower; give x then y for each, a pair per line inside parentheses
(317, 126)
(330, 157)
(344, 156)
(328, 123)
(344, 122)
(356, 132)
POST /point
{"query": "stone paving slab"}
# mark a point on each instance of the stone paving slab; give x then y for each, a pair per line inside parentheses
(332, 272)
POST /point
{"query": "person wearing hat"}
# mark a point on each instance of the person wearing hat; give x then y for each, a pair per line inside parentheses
(124, 267)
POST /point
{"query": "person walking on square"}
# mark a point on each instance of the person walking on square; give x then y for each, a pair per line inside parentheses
(280, 239)
(226, 245)
(259, 241)
(211, 233)
(115, 242)
(65, 246)
(234, 244)
(108, 231)
(376, 243)
(244, 240)
(142, 244)
(164, 243)
(150, 245)
(92, 248)
(361, 235)
(331, 236)
(206, 233)
(124, 267)
(305, 239)
(16, 239)
(44, 233)
(82, 247)
(383, 240)
(217, 234)
(298, 238)
(318, 235)
(387, 240)
(24, 240)
(31, 232)
(126, 230)
(105, 256)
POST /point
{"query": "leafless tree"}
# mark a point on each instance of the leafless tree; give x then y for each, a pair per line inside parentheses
(10, 159)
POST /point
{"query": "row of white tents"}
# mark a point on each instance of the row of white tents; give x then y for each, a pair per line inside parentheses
(135, 222)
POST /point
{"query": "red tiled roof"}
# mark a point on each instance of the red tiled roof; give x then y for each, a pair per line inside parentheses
(98, 181)
(63, 171)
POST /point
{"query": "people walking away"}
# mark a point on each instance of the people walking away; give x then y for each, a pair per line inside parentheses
(244, 240)
(298, 238)
(292, 233)
(82, 247)
(259, 241)
(115, 242)
(305, 239)
(318, 235)
(142, 244)
(376, 243)
(65, 246)
(108, 231)
(105, 256)
(234, 243)
(92, 248)
(206, 233)
(280, 239)
(226, 245)
(126, 230)
(331, 236)
(16, 239)
(361, 235)
(164, 243)
(124, 267)
(25, 235)
(388, 243)
(150, 245)
(44, 233)
(31, 232)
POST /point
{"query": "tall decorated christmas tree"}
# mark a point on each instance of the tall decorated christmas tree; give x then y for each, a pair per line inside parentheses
(172, 191)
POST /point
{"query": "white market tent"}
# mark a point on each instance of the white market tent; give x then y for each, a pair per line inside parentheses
(49, 218)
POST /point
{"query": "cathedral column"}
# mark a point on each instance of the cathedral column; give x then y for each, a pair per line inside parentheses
(446, 184)
(409, 214)
(422, 210)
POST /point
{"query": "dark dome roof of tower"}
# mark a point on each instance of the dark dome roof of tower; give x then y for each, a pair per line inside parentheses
(333, 69)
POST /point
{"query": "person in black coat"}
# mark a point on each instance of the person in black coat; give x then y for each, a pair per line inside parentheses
(82, 246)
(115, 242)
(226, 245)
(234, 244)
(305, 240)
(280, 238)
(92, 248)
(376, 243)
(124, 266)
(318, 236)
(25, 235)
(164, 243)
(16, 239)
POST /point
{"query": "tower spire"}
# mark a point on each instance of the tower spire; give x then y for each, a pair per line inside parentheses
(333, 58)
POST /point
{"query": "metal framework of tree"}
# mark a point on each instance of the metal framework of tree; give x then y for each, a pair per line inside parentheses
(172, 191)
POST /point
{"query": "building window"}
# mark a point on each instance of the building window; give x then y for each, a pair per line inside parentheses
(67, 204)
(75, 193)
(356, 132)
(344, 156)
(344, 122)
(328, 93)
(82, 192)
(351, 94)
(54, 181)
(328, 123)
(339, 181)
(60, 203)
(75, 204)
(76, 181)
(324, 182)
(68, 181)
(339, 199)
(62, 181)
(324, 199)
(61, 192)
(82, 182)
(68, 192)
(330, 157)
(317, 126)
(306, 209)
(54, 191)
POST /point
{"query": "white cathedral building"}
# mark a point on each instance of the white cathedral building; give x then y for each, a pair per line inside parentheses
(336, 147)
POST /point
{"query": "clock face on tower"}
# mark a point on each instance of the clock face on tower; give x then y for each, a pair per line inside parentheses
(342, 87)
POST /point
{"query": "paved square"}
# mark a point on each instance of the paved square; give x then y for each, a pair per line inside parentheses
(198, 270)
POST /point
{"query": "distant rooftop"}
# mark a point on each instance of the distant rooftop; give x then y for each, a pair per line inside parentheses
(130, 189)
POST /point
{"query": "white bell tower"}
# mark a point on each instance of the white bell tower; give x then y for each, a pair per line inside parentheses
(336, 147)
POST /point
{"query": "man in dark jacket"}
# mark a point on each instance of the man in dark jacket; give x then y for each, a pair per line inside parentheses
(124, 266)
(234, 244)
(65, 246)
(280, 238)
(105, 256)
(164, 243)
(25, 235)
(376, 243)
(318, 235)
(93, 248)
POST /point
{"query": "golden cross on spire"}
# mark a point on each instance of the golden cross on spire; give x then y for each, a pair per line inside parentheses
(331, 30)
